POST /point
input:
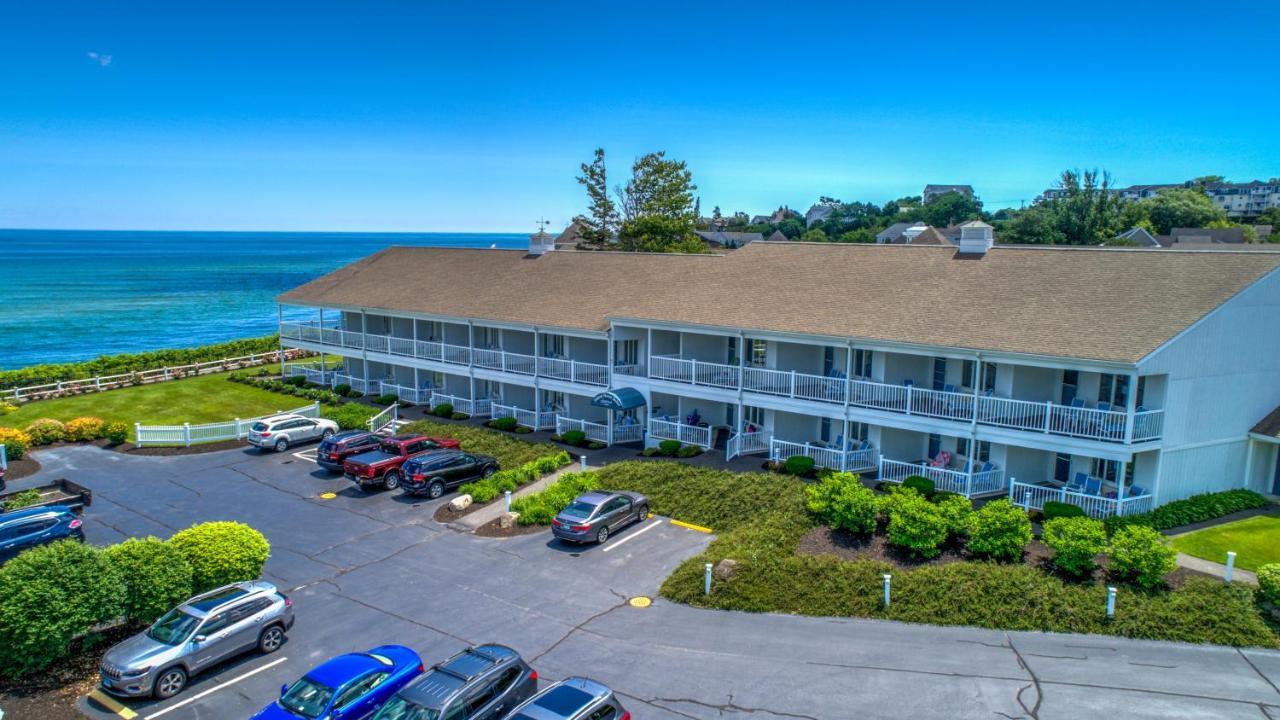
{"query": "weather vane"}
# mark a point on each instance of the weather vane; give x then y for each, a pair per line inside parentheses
(542, 224)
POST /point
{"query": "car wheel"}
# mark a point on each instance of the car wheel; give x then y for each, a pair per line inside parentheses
(326, 434)
(392, 480)
(170, 683)
(603, 536)
(488, 472)
(270, 640)
(282, 444)
(643, 513)
(435, 490)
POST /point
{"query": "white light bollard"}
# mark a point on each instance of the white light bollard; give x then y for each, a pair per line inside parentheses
(583, 459)
(507, 494)
(1111, 603)
(706, 581)
(1231, 567)
(888, 583)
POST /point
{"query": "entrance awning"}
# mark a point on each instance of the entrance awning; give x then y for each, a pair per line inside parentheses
(619, 399)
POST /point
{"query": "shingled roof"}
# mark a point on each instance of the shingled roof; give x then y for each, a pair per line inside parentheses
(1114, 305)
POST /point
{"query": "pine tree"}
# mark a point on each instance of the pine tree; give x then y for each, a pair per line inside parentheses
(602, 223)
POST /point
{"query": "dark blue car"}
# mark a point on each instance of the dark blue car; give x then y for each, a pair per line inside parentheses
(349, 687)
(22, 529)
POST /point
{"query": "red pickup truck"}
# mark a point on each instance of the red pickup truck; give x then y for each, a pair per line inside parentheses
(382, 466)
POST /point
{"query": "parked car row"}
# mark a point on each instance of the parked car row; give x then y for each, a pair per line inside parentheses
(415, 464)
(388, 682)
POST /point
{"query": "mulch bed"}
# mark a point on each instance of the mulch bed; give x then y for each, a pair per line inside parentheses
(19, 469)
(445, 515)
(492, 530)
(132, 449)
(54, 693)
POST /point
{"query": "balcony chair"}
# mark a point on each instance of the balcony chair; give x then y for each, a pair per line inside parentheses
(1078, 483)
(1093, 486)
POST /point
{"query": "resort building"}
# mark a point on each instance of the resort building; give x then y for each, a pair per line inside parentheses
(1115, 379)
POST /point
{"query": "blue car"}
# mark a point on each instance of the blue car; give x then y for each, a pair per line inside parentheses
(29, 527)
(349, 687)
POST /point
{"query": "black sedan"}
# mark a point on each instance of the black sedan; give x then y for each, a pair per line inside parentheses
(593, 516)
(431, 473)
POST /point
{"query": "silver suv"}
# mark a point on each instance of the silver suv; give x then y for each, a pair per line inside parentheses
(574, 698)
(283, 431)
(196, 635)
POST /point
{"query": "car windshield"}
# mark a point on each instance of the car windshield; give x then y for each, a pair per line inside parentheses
(578, 509)
(400, 709)
(258, 427)
(173, 627)
(306, 698)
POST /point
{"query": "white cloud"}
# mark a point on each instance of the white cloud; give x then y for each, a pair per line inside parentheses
(101, 59)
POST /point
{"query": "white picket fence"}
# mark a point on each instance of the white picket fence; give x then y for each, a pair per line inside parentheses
(187, 434)
(111, 382)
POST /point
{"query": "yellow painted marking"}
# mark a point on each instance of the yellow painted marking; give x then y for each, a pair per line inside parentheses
(328, 496)
(691, 526)
(110, 703)
(640, 601)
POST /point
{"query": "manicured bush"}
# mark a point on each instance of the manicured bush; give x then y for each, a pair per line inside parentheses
(915, 523)
(49, 595)
(1075, 542)
(156, 576)
(669, 447)
(798, 465)
(350, 416)
(45, 431)
(522, 430)
(15, 442)
(540, 508)
(1269, 583)
(221, 553)
(444, 410)
(296, 381)
(1194, 509)
(920, 484)
(116, 432)
(956, 511)
(387, 399)
(354, 393)
(1057, 509)
(23, 499)
(84, 428)
(488, 489)
(1141, 554)
(1000, 530)
(506, 424)
(689, 451)
(597, 445)
(843, 502)
(574, 437)
(342, 389)
(651, 452)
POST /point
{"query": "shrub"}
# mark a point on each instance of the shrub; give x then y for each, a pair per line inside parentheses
(915, 523)
(574, 437)
(920, 484)
(1269, 582)
(522, 430)
(596, 445)
(23, 499)
(540, 508)
(50, 595)
(350, 416)
(487, 489)
(669, 447)
(296, 381)
(1142, 554)
(1057, 509)
(1194, 509)
(116, 432)
(689, 451)
(843, 502)
(387, 399)
(651, 452)
(342, 389)
(221, 553)
(15, 442)
(155, 574)
(6, 408)
(1075, 542)
(1000, 530)
(509, 451)
(84, 428)
(444, 410)
(506, 424)
(45, 431)
(459, 416)
(798, 465)
(956, 511)
(353, 393)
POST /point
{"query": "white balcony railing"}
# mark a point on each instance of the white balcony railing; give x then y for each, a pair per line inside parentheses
(416, 396)
(474, 408)
(505, 361)
(695, 372)
(826, 457)
(594, 430)
(364, 386)
(964, 483)
(313, 373)
(687, 434)
(573, 371)
(746, 443)
(627, 433)
(532, 419)
(1033, 497)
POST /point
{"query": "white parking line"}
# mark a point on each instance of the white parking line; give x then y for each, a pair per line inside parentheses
(308, 455)
(635, 534)
(215, 689)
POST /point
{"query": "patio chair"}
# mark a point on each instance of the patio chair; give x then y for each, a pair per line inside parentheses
(986, 468)
(1077, 403)
(1078, 483)
(1093, 486)
(1135, 491)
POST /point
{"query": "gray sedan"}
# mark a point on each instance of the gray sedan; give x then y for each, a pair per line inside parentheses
(592, 517)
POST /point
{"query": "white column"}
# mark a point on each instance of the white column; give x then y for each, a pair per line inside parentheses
(1120, 473)
(1251, 447)
(1132, 404)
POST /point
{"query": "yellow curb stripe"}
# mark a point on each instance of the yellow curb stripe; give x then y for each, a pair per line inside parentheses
(691, 526)
(110, 703)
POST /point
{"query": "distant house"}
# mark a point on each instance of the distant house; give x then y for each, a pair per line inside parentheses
(896, 230)
(928, 236)
(1140, 237)
(1194, 238)
(1244, 199)
(777, 236)
(933, 192)
(818, 213)
(571, 236)
(729, 240)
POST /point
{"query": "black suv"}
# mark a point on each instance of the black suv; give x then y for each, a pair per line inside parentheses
(432, 473)
(336, 449)
(479, 683)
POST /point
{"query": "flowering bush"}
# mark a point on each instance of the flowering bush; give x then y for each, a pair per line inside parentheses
(15, 442)
(84, 428)
(116, 432)
(45, 431)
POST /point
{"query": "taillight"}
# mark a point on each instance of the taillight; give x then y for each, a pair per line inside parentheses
(288, 602)
(75, 523)
(626, 715)
(579, 528)
(533, 674)
(368, 472)
(265, 433)
(555, 522)
(419, 476)
(422, 668)
(333, 456)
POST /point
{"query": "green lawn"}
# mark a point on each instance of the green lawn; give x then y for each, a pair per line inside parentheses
(1255, 541)
(207, 398)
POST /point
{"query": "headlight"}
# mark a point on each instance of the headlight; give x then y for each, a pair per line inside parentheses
(135, 672)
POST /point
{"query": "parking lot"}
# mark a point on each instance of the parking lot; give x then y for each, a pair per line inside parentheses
(372, 568)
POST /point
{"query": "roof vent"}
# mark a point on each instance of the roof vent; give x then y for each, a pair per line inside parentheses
(540, 242)
(976, 238)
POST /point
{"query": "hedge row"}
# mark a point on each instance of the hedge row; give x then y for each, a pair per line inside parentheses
(47, 430)
(52, 594)
(135, 362)
(488, 489)
(1197, 508)
(540, 508)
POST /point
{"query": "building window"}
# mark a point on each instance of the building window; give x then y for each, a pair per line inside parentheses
(828, 360)
(1070, 383)
(758, 352)
(983, 446)
(989, 378)
(732, 354)
(939, 373)
(553, 346)
(553, 401)
(824, 429)
(1062, 467)
(858, 431)
(862, 363)
(752, 417)
(1114, 389)
(626, 352)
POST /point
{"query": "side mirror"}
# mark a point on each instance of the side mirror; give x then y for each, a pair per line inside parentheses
(199, 639)
(284, 689)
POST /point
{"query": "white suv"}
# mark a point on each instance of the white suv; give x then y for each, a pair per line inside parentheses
(283, 431)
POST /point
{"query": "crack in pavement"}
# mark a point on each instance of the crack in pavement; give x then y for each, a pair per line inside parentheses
(642, 701)
(1154, 665)
(410, 620)
(1059, 657)
(910, 671)
(135, 511)
(729, 706)
(308, 498)
(1255, 669)
(1034, 710)
(580, 626)
(1265, 712)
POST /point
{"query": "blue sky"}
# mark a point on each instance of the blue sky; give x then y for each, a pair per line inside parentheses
(475, 116)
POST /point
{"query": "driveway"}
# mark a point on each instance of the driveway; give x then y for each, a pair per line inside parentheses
(366, 569)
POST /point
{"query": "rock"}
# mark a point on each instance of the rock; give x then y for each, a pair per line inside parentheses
(726, 569)
(508, 519)
(460, 503)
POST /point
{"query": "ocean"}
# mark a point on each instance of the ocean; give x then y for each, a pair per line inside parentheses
(75, 295)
